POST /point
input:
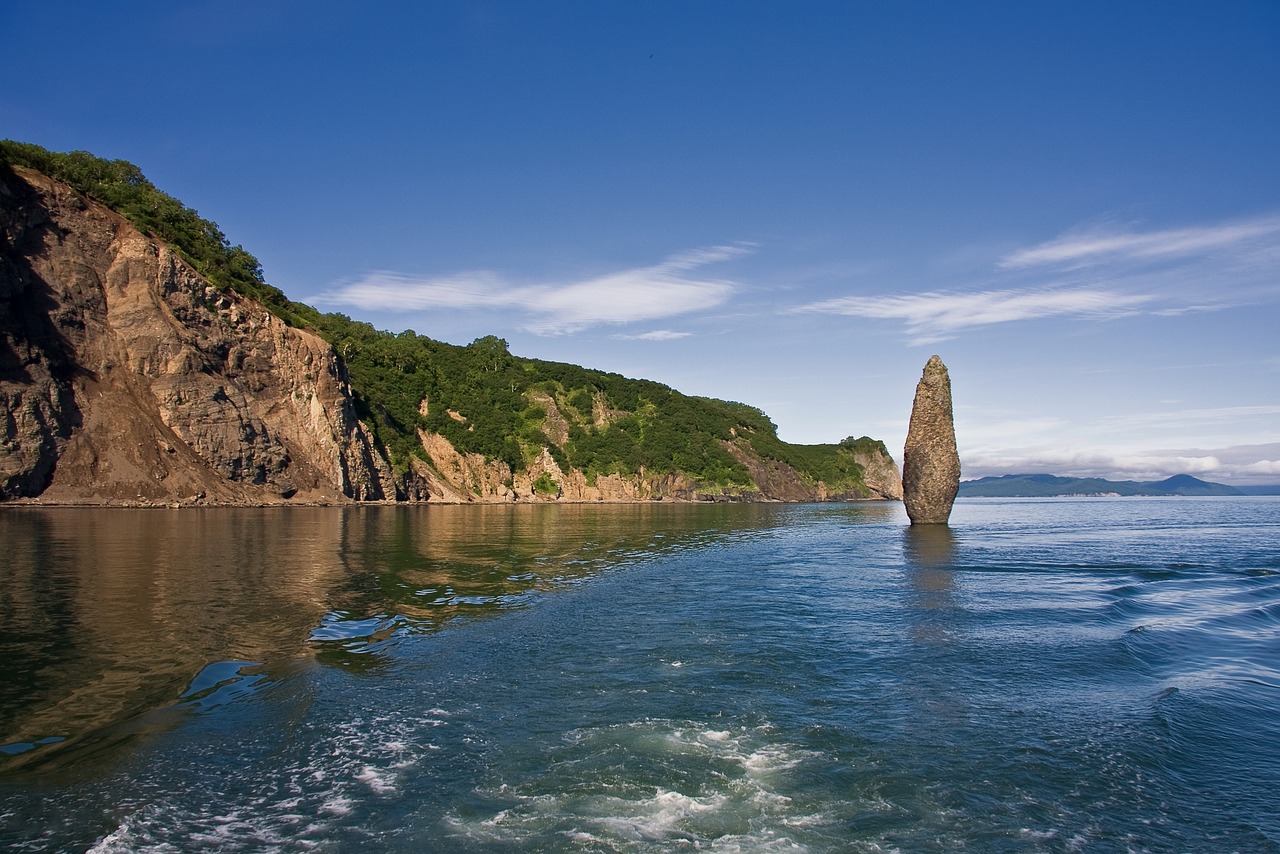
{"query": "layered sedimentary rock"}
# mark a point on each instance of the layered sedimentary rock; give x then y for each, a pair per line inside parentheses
(780, 482)
(450, 476)
(930, 462)
(127, 378)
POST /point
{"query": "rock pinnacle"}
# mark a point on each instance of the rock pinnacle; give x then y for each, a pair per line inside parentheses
(930, 463)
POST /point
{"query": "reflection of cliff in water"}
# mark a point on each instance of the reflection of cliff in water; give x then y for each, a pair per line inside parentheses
(418, 568)
(114, 622)
(110, 613)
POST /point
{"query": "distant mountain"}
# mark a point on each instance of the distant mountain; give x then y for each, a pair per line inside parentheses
(1263, 489)
(1047, 486)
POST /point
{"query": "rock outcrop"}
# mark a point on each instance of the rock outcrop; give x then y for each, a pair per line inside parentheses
(127, 378)
(453, 477)
(930, 462)
(780, 482)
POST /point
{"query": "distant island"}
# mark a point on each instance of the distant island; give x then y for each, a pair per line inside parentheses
(1051, 486)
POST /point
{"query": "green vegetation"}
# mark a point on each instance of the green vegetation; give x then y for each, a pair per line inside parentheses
(480, 397)
(122, 187)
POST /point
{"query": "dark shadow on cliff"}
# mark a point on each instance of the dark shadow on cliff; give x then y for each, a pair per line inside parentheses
(32, 338)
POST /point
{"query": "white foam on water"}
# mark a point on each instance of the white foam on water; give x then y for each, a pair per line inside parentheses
(753, 845)
(806, 821)
(657, 818)
(378, 780)
(336, 805)
(299, 804)
(123, 839)
(772, 760)
(152, 830)
(654, 785)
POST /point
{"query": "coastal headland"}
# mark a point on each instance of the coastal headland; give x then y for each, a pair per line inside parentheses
(144, 361)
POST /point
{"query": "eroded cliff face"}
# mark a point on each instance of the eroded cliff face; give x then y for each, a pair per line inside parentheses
(125, 377)
(780, 482)
(455, 477)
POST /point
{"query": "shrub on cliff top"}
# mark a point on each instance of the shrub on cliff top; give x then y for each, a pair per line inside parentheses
(477, 396)
(121, 186)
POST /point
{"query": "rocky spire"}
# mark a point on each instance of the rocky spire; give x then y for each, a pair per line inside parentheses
(930, 464)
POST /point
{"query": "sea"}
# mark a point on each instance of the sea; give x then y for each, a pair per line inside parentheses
(1087, 674)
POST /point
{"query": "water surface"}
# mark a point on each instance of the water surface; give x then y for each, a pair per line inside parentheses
(1044, 675)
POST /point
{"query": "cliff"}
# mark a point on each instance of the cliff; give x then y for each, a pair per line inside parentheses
(451, 476)
(127, 377)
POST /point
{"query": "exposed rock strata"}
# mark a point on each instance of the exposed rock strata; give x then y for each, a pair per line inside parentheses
(780, 482)
(554, 426)
(125, 377)
(455, 477)
(930, 462)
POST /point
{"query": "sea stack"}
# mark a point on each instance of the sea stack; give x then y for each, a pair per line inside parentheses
(930, 463)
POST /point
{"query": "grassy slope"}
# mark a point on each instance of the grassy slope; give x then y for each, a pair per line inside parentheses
(651, 426)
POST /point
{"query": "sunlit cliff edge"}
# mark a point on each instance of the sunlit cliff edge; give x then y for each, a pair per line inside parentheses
(128, 378)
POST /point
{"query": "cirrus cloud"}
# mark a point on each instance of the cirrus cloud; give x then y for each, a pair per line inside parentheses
(655, 335)
(1099, 273)
(938, 315)
(1109, 246)
(666, 289)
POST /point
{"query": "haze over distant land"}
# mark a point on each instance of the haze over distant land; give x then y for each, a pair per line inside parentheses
(1076, 205)
(1048, 486)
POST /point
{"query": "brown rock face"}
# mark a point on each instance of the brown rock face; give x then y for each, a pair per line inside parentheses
(930, 463)
(127, 378)
(780, 482)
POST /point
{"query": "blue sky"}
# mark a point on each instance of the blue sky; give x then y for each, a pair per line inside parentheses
(1077, 205)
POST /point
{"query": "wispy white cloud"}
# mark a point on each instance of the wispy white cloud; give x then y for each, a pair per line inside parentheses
(938, 315)
(1091, 463)
(1100, 273)
(1201, 419)
(1097, 246)
(655, 335)
(662, 290)
(994, 433)
(1241, 464)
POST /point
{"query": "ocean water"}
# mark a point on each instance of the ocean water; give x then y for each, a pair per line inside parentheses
(1042, 675)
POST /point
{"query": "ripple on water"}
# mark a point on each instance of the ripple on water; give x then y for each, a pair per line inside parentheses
(224, 682)
(652, 785)
(315, 800)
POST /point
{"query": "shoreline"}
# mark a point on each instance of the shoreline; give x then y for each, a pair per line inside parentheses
(189, 505)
